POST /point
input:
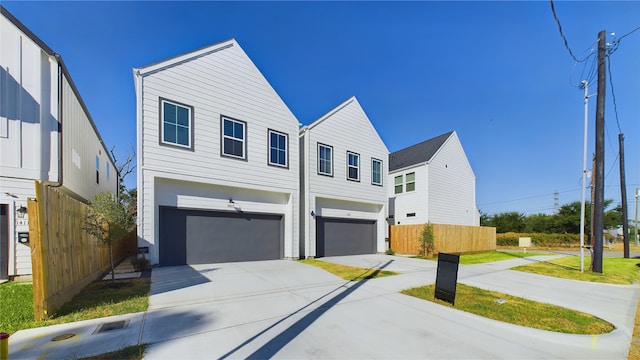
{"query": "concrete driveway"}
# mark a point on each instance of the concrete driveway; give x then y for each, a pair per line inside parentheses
(286, 309)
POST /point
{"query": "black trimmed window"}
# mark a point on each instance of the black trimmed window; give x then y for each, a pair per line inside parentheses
(176, 124)
(353, 166)
(410, 182)
(278, 148)
(325, 159)
(234, 136)
(376, 172)
(397, 184)
(97, 170)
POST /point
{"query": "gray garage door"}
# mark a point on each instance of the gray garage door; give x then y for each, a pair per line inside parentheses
(4, 242)
(335, 237)
(201, 237)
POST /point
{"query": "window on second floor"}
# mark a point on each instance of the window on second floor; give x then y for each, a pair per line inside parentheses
(325, 160)
(97, 170)
(411, 182)
(234, 135)
(376, 172)
(353, 166)
(397, 184)
(176, 124)
(278, 148)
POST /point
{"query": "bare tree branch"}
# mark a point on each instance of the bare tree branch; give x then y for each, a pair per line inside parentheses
(127, 166)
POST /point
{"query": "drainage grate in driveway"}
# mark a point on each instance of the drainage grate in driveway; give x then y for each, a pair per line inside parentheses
(115, 325)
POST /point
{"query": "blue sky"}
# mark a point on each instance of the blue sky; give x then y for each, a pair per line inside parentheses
(496, 72)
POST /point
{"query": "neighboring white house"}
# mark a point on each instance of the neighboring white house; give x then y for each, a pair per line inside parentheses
(217, 160)
(343, 175)
(46, 134)
(432, 182)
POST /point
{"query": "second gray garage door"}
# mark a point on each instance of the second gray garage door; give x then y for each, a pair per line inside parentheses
(201, 237)
(335, 237)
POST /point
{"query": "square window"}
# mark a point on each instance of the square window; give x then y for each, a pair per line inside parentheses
(176, 124)
(398, 184)
(353, 166)
(411, 181)
(233, 138)
(376, 172)
(278, 149)
(325, 160)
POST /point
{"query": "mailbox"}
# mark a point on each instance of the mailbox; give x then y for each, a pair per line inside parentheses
(23, 237)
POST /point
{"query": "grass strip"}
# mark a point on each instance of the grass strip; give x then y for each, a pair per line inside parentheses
(614, 270)
(98, 299)
(134, 352)
(485, 257)
(350, 273)
(517, 310)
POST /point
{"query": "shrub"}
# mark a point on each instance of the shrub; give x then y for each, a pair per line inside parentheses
(140, 264)
(390, 251)
(427, 247)
(539, 239)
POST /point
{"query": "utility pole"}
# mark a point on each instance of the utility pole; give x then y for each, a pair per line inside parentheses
(585, 84)
(598, 204)
(623, 189)
(636, 216)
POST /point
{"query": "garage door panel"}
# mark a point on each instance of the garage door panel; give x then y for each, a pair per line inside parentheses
(199, 237)
(336, 237)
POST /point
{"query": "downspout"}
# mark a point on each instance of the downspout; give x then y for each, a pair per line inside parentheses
(307, 208)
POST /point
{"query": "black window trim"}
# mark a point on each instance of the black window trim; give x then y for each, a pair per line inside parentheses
(318, 158)
(349, 152)
(191, 125)
(381, 172)
(245, 156)
(286, 136)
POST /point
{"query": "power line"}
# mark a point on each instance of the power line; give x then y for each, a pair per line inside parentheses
(613, 93)
(564, 38)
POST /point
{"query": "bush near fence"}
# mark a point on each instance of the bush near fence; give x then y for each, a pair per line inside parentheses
(539, 239)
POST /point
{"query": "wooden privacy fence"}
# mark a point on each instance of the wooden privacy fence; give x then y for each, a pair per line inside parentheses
(404, 239)
(64, 257)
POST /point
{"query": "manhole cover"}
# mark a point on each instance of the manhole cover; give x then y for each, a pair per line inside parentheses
(63, 337)
(115, 325)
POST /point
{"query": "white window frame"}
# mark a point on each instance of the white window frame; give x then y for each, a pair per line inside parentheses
(330, 160)
(374, 161)
(396, 184)
(272, 147)
(350, 166)
(189, 146)
(223, 137)
(407, 182)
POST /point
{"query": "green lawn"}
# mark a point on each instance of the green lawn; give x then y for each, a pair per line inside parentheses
(350, 273)
(614, 270)
(485, 257)
(98, 299)
(518, 310)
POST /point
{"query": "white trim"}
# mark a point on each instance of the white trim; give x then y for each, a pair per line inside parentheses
(330, 173)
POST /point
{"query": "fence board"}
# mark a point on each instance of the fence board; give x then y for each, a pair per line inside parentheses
(64, 257)
(404, 239)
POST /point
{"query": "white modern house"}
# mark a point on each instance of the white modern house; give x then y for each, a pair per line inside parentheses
(343, 184)
(218, 163)
(432, 182)
(46, 134)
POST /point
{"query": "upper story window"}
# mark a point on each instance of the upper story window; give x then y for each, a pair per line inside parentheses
(397, 184)
(234, 136)
(411, 182)
(176, 124)
(353, 166)
(376, 172)
(278, 148)
(97, 170)
(107, 166)
(325, 160)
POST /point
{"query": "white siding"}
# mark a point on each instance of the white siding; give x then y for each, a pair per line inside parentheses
(15, 193)
(408, 202)
(81, 145)
(452, 186)
(346, 128)
(223, 82)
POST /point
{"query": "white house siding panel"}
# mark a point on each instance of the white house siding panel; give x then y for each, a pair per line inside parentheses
(452, 191)
(411, 202)
(347, 129)
(15, 193)
(222, 83)
(81, 145)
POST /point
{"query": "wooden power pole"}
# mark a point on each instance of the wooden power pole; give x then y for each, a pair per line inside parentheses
(598, 203)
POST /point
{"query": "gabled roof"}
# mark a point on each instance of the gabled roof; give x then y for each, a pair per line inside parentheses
(417, 154)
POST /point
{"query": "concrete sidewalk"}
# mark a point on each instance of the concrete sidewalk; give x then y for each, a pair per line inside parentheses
(287, 309)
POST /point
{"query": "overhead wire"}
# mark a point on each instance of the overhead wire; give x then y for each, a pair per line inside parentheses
(564, 38)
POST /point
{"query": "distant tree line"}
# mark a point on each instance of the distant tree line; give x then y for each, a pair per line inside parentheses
(566, 220)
